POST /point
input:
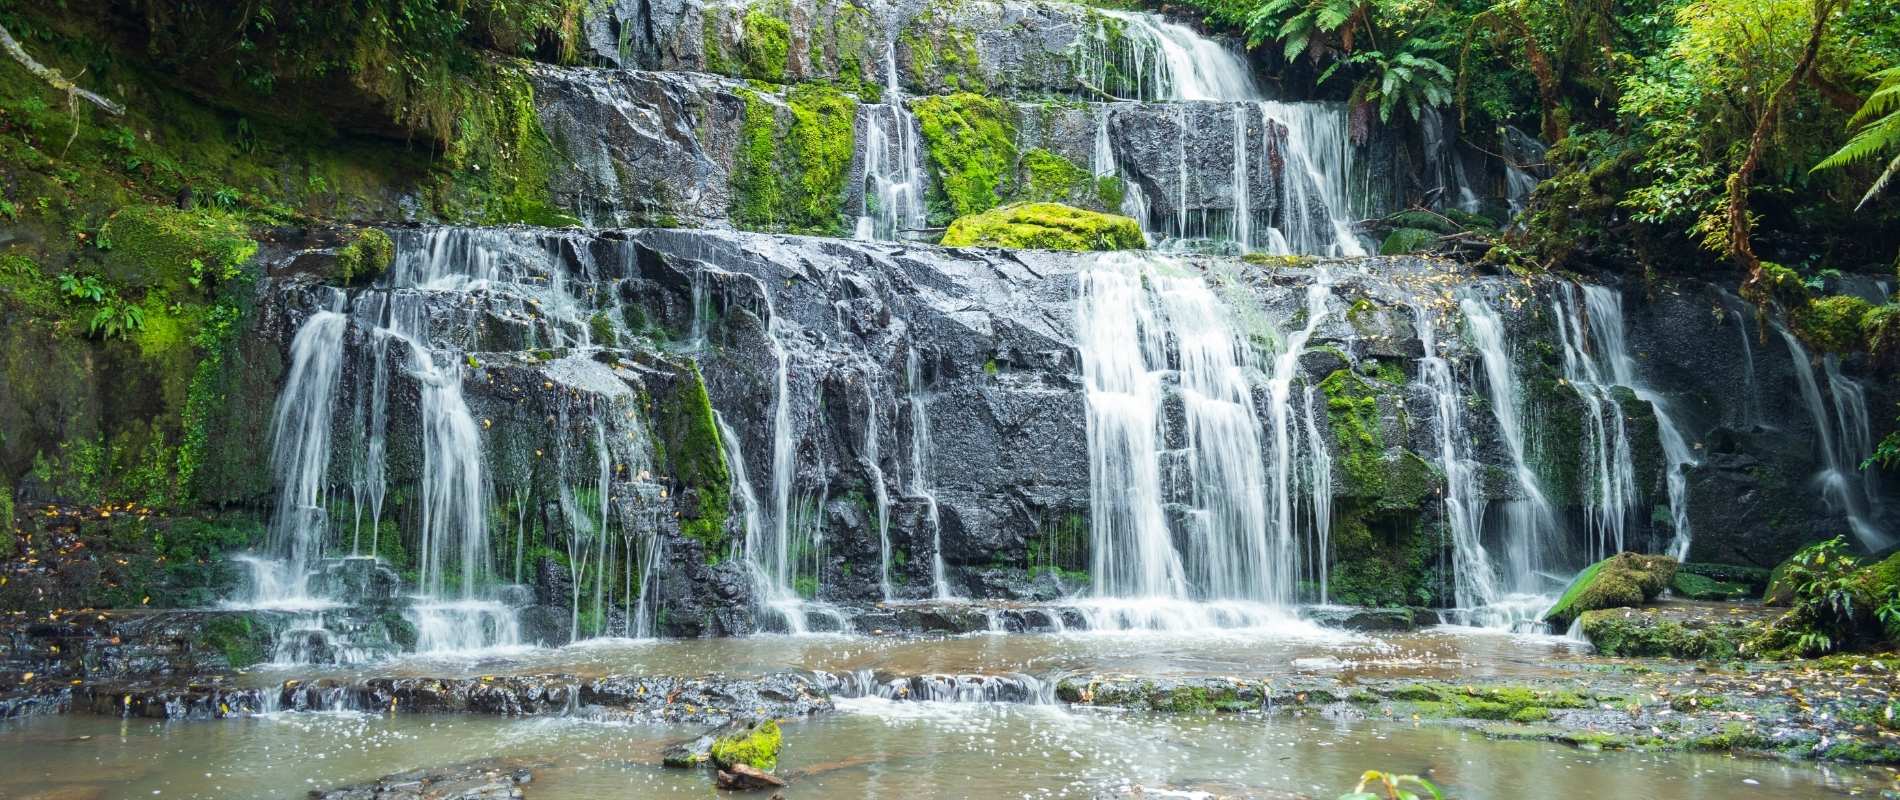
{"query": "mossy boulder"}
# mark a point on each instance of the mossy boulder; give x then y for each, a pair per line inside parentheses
(755, 746)
(1045, 226)
(161, 247)
(1691, 586)
(1407, 240)
(1624, 579)
(366, 257)
(1630, 634)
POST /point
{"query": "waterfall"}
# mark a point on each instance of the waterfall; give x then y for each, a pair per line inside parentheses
(1530, 519)
(1845, 441)
(1315, 201)
(1611, 498)
(878, 495)
(1144, 322)
(300, 461)
(1607, 332)
(893, 194)
(920, 483)
(1286, 365)
(1137, 56)
(1319, 489)
(1750, 407)
(1474, 578)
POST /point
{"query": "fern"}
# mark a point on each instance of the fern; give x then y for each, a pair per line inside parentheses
(1879, 121)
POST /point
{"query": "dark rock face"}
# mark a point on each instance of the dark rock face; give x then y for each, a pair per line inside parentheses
(984, 342)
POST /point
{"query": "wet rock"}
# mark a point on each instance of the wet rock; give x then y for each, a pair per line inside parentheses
(489, 779)
(1368, 619)
(746, 778)
(1625, 579)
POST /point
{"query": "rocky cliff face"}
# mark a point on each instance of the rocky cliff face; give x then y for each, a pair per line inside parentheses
(935, 411)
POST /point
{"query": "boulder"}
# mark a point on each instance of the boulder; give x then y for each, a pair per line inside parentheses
(1624, 579)
(753, 744)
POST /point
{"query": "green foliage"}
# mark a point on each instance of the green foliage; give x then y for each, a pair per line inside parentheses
(756, 747)
(972, 145)
(1411, 79)
(237, 640)
(1831, 600)
(1831, 324)
(1407, 240)
(1045, 226)
(1388, 786)
(1879, 134)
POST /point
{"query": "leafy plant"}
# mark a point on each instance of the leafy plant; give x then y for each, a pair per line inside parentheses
(1409, 79)
(1392, 787)
(1879, 134)
(116, 320)
(87, 288)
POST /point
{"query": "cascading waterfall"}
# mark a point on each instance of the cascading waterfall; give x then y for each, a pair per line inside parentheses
(1529, 522)
(1607, 332)
(300, 450)
(1284, 438)
(893, 163)
(1143, 322)
(875, 469)
(920, 450)
(1845, 440)
(1474, 578)
(1137, 56)
(1319, 490)
(1315, 200)
(1612, 493)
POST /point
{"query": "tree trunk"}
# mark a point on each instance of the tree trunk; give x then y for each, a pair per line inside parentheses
(1739, 226)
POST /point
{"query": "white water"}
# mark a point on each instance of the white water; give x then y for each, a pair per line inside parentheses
(1845, 441)
(1158, 60)
(1319, 491)
(1474, 578)
(1607, 331)
(1612, 494)
(875, 470)
(920, 449)
(300, 460)
(893, 163)
(1529, 523)
(1145, 324)
(1315, 203)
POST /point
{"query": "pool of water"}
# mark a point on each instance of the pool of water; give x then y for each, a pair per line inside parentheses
(872, 749)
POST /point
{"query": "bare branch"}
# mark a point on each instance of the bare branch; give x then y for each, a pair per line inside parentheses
(52, 76)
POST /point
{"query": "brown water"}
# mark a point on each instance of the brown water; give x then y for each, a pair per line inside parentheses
(872, 749)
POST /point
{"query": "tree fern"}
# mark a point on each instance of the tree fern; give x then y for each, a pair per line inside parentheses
(1879, 133)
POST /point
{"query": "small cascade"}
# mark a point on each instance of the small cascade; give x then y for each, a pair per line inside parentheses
(1475, 586)
(1285, 439)
(1138, 56)
(1845, 441)
(1144, 325)
(1316, 208)
(920, 483)
(1740, 311)
(1319, 490)
(1612, 498)
(300, 449)
(939, 688)
(874, 468)
(1607, 333)
(1529, 523)
(893, 192)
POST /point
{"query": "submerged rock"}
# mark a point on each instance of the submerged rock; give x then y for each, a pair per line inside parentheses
(488, 779)
(1624, 579)
(1045, 226)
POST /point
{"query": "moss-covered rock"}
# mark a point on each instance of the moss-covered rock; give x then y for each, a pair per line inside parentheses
(1831, 324)
(161, 247)
(366, 257)
(1045, 226)
(1407, 240)
(687, 449)
(1624, 579)
(1691, 586)
(971, 140)
(756, 746)
(1621, 632)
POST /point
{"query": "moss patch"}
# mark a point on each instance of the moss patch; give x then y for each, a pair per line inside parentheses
(1616, 632)
(790, 170)
(756, 747)
(1045, 226)
(688, 449)
(972, 144)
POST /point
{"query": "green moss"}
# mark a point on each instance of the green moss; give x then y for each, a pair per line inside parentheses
(367, 256)
(236, 639)
(1380, 559)
(1050, 178)
(790, 175)
(972, 146)
(765, 46)
(1394, 481)
(1615, 632)
(756, 747)
(1407, 240)
(1831, 324)
(1110, 191)
(1734, 736)
(601, 328)
(1045, 226)
(1880, 333)
(943, 56)
(161, 247)
(690, 452)
(1700, 587)
(1625, 579)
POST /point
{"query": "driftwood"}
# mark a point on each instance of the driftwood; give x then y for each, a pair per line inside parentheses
(52, 76)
